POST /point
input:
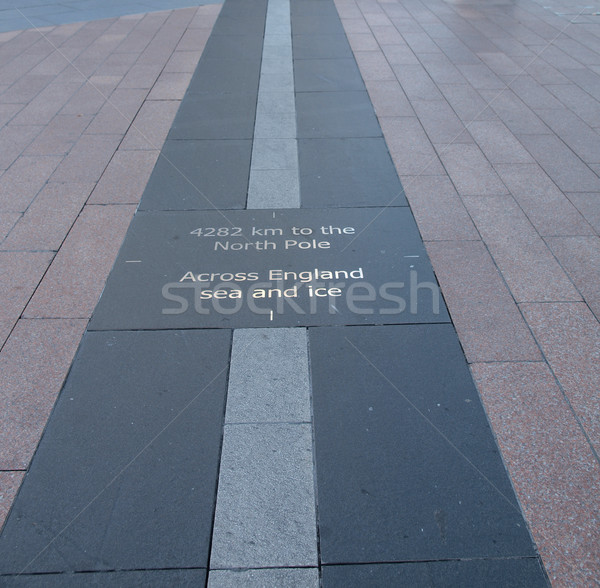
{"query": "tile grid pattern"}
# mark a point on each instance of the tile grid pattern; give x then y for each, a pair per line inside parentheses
(14, 16)
(84, 109)
(265, 528)
(502, 111)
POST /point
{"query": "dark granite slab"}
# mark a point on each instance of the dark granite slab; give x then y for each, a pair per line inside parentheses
(125, 475)
(407, 467)
(227, 269)
(347, 172)
(197, 175)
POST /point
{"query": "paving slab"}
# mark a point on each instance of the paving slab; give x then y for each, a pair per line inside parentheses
(264, 391)
(327, 75)
(74, 281)
(133, 579)
(487, 319)
(438, 209)
(126, 474)
(409, 431)
(9, 486)
(220, 75)
(347, 172)
(518, 572)
(265, 514)
(193, 174)
(568, 334)
(34, 360)
(270, 270)
(548, 209)
(49, 218)
(335, 114)
(527, 264)
(313, 46)
(282, 577)
(552, 465)
(223, 116)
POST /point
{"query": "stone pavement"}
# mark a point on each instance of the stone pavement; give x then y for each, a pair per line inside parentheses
(490, 113)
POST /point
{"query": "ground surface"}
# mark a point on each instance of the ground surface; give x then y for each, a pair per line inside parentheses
(490, 113)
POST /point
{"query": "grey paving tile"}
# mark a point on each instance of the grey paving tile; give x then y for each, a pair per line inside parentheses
(224, 76)
(268, 378)
(215, 116)
(347, 172)
(239, 24)
(313, 8)
(277, 82)
(273, 188)
(271, 103)
(407, 466)
(561, 164)
(199, 175)
(517, 572)
(130, 579)
(265, 514)
(327, 75)
(274, 154)
(275, 125)
(282, 578)
(335, 114)
(126, 474)
(276, 52)
(317, 24)
(242, 47)
(277, 59)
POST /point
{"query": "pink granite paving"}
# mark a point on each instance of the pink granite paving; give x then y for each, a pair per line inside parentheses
(492, 119)
(84, 110)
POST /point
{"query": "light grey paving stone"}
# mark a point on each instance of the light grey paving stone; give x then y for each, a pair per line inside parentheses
(274, 154)
(276, 40)
(279, 51)
(277, 64)
(275, 103)
(268, 379)
(274, 188)
(277, 578)
(265, 514)
(277, 82)
(278, 125)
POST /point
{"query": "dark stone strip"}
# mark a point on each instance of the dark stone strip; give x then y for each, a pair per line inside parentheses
(407, 466)
(125, 475)
(343, 159)
(128, 579)
(205, 162)
(492, 573)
